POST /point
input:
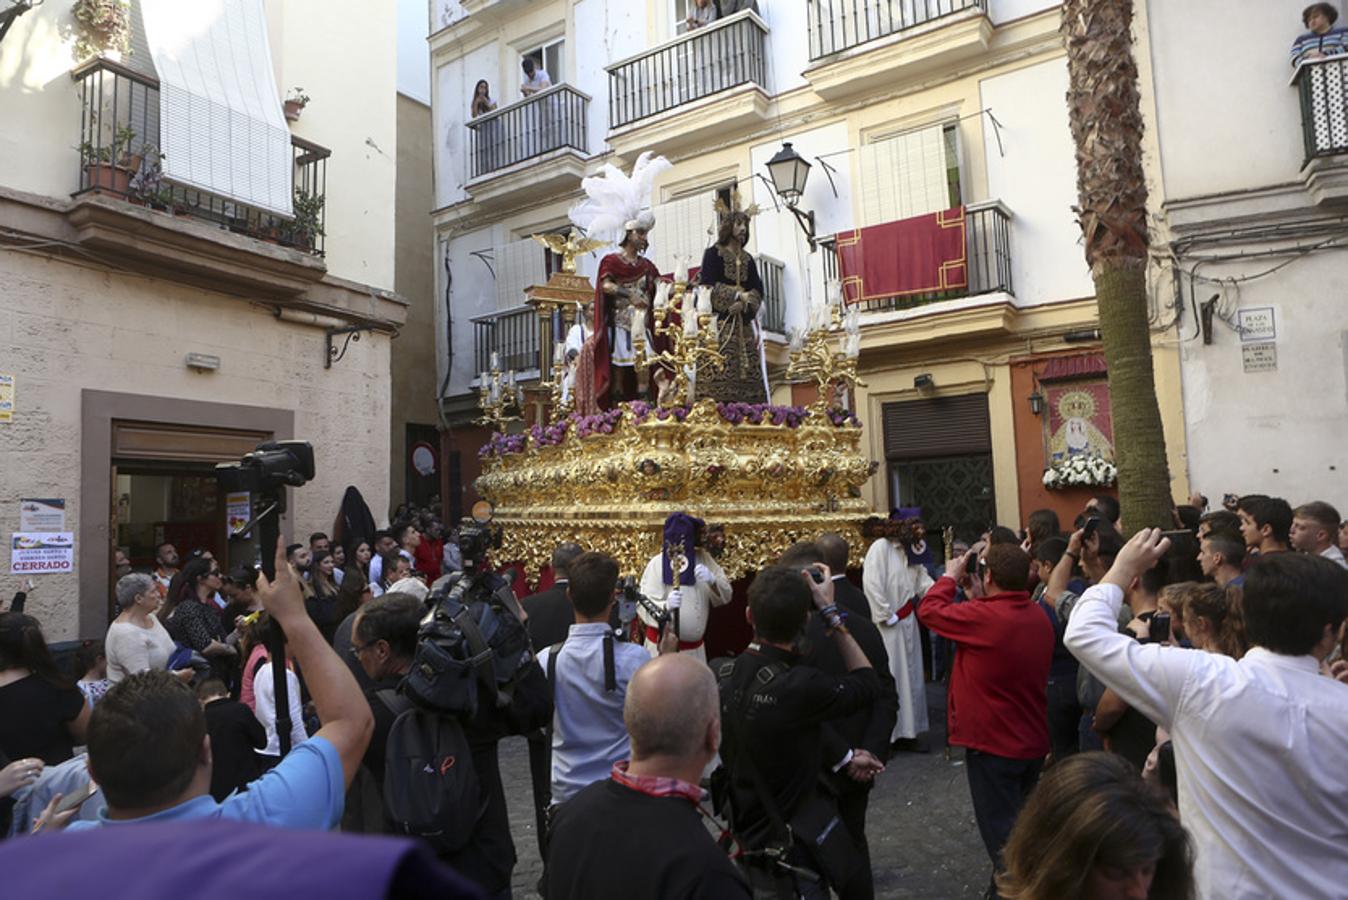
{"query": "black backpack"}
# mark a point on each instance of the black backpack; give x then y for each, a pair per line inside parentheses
(431, 790)
(471, 645)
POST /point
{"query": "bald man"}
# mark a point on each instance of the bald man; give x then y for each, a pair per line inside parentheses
(641, 833)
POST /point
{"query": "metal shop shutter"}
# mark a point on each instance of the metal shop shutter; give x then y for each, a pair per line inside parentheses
(941, 426)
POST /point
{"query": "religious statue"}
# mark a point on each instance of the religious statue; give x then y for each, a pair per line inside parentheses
(737, 292)
(617, 208)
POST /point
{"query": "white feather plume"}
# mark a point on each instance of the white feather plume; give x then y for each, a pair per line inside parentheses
(615, 202)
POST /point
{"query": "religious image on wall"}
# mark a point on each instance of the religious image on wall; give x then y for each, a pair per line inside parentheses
(1078, 421)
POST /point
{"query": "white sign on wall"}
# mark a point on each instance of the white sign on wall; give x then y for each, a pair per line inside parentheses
(41, 553)
(42, 515)
(1261, 357)
(1256, 324)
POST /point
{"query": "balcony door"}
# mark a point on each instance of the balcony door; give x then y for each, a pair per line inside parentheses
(911, 173)
(552, 57)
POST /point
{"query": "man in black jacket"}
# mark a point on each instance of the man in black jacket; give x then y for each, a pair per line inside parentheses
(856, 747)
(550, 613)
(773, 709)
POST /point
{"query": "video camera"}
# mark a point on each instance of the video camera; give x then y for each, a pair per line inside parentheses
(478, 536)
(630, 599)
(272, 466)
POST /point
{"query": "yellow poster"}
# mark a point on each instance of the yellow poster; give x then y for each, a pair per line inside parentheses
(6, 398)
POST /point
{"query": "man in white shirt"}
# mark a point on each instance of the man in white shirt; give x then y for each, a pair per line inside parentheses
(1259, 742)
(535, 78)
(1315, 529)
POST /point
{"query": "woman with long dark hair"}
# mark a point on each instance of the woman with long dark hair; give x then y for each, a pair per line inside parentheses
(193, 619)
(1093, 829)
(42, 714)
(322, 606)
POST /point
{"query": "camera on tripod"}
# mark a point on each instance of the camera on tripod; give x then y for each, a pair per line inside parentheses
(272, 466)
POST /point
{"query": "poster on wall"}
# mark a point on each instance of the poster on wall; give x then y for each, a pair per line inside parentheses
(1078, 420)
(6, 398)
(238, 510)
(42, 515)
(42, 553)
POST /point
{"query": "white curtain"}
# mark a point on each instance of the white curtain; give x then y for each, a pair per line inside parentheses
(905, 176)
(518, 265)
(686, 227)
(221, 126)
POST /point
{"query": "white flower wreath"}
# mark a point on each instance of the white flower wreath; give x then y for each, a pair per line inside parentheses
(1081, 471)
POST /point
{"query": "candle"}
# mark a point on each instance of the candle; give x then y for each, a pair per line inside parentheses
(662, 295)
(510, 380)
(495, 361)
(482, 381)
(638, 325)
(834, 292)
(704, 299)
(559, 353)
(495, 391)
(713, 329)
(689, 315)
(853, 345)
(681, 269)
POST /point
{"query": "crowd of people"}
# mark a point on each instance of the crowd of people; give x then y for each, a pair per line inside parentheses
(1150, 716)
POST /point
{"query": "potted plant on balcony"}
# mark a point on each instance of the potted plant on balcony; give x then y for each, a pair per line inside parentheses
(308, 224)
(296, 100)
(107, 167)
(105, 28)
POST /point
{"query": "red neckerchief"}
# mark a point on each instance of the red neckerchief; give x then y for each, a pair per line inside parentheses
(664, 786)
(656, 785)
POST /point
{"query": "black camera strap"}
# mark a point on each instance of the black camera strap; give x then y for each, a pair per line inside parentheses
(610, 667)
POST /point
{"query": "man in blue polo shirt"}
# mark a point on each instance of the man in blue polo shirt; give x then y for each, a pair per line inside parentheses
(151, 756)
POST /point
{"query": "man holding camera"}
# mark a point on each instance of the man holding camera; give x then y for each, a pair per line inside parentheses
(773, 711)
(998, 707)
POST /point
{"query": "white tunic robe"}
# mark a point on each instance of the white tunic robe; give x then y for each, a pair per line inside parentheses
(890, 581)
(696, 600)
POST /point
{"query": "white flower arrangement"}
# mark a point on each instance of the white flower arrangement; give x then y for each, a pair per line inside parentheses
(1081, 471)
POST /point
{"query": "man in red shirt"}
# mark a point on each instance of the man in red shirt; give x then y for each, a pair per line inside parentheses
(998, 707)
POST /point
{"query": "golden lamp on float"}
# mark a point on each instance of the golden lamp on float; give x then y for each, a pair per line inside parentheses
(772, 475)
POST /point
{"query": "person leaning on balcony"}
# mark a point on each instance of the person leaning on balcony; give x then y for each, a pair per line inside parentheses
(702, 12)
(1323, 38)
(482, 101)
(535, 77)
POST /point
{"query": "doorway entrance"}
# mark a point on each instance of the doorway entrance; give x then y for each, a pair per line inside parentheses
(939, 455)
(164, 490)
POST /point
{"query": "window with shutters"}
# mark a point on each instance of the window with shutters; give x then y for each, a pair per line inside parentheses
(910, 174)
(518, 265)
(685, 226)
(939, 426)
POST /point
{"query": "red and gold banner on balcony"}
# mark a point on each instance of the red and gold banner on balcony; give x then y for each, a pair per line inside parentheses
(922, 255)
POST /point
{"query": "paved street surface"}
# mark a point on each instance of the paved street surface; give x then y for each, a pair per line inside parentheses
(924, 843)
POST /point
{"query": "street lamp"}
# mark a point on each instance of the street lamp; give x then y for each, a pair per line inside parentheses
(789, 172)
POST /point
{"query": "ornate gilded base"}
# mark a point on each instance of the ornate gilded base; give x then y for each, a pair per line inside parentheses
(611, 480)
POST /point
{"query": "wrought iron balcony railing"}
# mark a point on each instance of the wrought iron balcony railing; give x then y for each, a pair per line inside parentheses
(705, 61)
(552, 119)
(119, 156)
(837, 25)
(773, 273)
(512, 335)
(1323, 87)
(988, 257)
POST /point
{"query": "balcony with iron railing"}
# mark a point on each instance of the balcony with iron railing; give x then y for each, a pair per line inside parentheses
(716, 74)
(1322, 87)
(550, 120)
(512, 335)
(119, 156)
(858, 45)
(987, 258)
(773, 273)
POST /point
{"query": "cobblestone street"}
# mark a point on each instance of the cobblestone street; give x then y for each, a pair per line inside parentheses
(924, 843)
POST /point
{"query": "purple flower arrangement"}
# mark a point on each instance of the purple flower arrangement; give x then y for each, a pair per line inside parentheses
(608, 422)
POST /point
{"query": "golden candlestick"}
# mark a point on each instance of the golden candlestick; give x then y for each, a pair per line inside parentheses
(497, 394)
(816, 359)
(689, 351)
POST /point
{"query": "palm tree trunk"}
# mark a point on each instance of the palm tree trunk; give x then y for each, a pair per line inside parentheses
(1106, 120)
